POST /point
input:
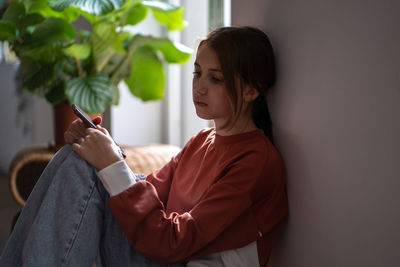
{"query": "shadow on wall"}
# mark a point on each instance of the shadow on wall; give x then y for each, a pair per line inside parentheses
(20, 129)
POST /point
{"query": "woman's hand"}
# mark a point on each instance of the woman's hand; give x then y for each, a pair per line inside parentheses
(77, 130)
(97, 147)
(94, 145)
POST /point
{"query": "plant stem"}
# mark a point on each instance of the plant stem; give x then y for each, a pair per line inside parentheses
(78, 66)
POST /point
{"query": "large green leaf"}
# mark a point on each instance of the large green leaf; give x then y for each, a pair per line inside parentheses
(167, 14)
(42, 7)
(119, 43)
(102, 41)
(51, 30)
(173, 52)
(78, 51)
(107, 48)
(44, 53)
(136, 14)
(14, 25)
(146, 80)
(114, 63)
(14, 13)
(69, 14)
(131, 13)
(98, 7)
(31, 19)
(7, 30)
(66, 68)
(56, 93)
(93, 93)
(35, 74)
(160, 5)
(36, 6)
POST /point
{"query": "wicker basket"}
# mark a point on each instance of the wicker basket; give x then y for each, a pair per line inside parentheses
(28, 165)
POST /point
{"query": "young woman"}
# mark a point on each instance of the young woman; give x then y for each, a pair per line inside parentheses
(220, 202)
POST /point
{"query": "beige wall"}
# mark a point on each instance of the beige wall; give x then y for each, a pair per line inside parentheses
(336, 110)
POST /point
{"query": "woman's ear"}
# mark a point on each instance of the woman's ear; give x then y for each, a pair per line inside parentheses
(249, 94)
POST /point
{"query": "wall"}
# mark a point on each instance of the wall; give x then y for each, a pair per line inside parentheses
(336, 110)
(19, 130)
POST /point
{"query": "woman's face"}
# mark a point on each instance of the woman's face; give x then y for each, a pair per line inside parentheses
(209, 93)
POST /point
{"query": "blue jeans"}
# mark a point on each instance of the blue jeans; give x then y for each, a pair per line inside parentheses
(66, 222)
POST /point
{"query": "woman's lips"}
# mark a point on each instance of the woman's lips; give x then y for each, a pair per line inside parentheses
(199, 103)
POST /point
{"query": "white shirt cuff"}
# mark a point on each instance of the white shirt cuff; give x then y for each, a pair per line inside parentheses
(117, 177)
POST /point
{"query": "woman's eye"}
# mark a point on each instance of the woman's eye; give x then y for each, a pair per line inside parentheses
(196, 73)
(216, 79)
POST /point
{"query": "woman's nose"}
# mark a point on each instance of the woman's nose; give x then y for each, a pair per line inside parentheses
(199, 87)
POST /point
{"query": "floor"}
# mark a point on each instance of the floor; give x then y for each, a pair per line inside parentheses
(8, 209)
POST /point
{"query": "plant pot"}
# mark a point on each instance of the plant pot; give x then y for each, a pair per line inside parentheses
(63, 117)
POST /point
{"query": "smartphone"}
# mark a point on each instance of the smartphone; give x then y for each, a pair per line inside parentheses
(83, 116)
(89, 123)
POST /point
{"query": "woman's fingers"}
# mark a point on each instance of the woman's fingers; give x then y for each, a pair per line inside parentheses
(103, 130)
(72, 135)
(68, 138)
(75, 131)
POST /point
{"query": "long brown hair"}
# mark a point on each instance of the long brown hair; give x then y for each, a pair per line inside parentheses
(246, 53)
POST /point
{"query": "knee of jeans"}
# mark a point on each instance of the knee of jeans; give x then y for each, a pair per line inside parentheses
(65, 150)
(61, 154)
(76, 159)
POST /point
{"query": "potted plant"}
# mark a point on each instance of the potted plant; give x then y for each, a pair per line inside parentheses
(84, 66)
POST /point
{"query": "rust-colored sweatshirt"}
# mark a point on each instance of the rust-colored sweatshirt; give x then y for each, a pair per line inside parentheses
(218, 193)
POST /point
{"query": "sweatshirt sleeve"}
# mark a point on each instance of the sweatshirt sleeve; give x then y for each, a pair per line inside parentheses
(117, 177)
(175, 237)
(161, 179)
